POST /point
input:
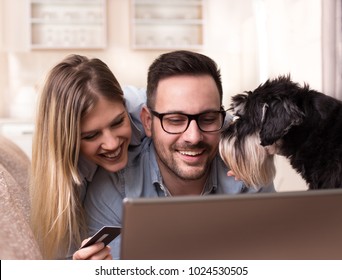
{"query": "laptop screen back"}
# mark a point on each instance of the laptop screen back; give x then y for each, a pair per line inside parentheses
(288, 225)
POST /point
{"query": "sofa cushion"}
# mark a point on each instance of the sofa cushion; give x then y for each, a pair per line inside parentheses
(16, 238)
(16, 162)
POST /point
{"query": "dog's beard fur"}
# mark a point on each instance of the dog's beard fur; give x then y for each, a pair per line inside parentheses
(249, 161)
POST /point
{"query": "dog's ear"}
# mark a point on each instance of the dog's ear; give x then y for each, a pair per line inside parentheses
(277, 118)
(238, 103)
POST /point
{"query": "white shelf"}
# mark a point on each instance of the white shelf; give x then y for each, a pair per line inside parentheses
(68, 24)
(67, 21)
(167, 24)
(182, 22)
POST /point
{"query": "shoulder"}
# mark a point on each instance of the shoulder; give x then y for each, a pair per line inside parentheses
(134, 97)
(105, 183)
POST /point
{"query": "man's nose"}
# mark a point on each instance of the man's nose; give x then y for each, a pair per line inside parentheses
(193, 134)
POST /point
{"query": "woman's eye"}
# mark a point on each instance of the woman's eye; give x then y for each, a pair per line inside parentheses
(117, 122)
(89, 137)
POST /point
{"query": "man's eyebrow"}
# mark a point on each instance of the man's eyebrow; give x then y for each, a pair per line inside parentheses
(184, 113)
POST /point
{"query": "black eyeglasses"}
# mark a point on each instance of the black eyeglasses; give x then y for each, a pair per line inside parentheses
(176, 123)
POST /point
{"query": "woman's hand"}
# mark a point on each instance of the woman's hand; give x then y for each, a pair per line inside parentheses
(96, 251)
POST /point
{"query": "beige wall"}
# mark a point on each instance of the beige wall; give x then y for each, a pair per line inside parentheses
(290, 32)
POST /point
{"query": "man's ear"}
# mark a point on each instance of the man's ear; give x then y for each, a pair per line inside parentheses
(146, 119)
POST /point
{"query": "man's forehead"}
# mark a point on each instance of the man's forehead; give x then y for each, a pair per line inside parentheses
(185, 92)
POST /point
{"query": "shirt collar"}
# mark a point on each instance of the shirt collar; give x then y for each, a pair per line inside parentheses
(156, 177)
(86, 168)
(211, 183)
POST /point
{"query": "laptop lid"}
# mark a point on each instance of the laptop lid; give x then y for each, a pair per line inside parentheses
(287, 225)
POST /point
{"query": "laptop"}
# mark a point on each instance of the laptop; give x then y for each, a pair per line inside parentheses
(287, 225)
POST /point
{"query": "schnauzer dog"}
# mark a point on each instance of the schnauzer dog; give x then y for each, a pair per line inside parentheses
(281, 117)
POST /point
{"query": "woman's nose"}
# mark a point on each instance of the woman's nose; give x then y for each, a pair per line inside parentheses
(109, 141)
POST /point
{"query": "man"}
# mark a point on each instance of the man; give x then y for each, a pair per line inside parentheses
(183, 119)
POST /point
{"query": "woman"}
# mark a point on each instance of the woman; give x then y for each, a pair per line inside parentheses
(82, 123)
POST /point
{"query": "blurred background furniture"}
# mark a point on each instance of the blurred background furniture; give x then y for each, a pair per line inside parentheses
(16, 237)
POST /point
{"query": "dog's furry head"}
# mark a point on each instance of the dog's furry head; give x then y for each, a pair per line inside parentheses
(261, 119)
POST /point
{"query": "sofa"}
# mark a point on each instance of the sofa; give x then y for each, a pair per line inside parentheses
(16, 238)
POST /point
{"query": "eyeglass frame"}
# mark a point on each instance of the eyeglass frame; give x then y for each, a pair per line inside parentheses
(190, 117)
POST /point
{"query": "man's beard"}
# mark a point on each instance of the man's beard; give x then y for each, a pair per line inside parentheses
(181, 169)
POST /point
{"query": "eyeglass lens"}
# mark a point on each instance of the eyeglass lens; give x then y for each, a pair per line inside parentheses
(178, 123)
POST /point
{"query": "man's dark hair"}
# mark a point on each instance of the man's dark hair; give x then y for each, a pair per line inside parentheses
(180, 63)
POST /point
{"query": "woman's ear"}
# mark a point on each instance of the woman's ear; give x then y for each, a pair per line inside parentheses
(146, 119)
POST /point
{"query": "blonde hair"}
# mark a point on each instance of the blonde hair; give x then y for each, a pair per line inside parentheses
(71, 90)
(249, 161)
